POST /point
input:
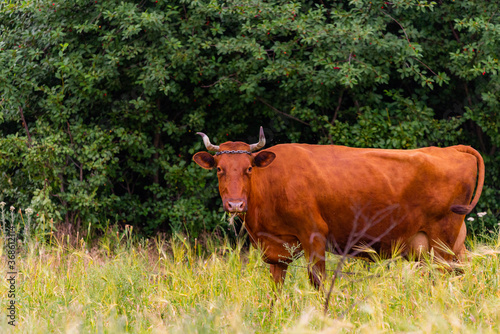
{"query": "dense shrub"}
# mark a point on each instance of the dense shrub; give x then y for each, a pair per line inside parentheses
(100, 99)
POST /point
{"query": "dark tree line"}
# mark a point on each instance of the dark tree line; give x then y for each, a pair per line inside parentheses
(100, 100)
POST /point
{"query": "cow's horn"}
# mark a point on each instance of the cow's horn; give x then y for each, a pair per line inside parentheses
(207, 143)
(261, 143)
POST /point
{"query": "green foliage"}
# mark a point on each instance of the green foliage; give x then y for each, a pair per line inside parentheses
(100, 100)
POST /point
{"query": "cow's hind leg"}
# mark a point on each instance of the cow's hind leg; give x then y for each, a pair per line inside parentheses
(459, 247)
(418, 245)
(446, 239)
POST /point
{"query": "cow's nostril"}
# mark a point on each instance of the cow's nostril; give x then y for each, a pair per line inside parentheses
(236, 206)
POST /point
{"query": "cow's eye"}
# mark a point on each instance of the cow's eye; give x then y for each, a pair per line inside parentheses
(249, 170)
(219, 170)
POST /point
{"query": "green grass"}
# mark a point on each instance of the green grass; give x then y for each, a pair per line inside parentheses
(158, 286)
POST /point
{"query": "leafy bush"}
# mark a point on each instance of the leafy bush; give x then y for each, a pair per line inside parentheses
(101, 99)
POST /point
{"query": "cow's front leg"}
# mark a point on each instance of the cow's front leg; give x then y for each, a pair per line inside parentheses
(316, 252)
(278, 273)
(317, 273)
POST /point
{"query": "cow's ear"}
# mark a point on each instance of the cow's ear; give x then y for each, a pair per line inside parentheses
(204, 159)
(264, 158)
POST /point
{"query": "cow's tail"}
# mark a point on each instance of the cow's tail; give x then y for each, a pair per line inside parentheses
(466, 209)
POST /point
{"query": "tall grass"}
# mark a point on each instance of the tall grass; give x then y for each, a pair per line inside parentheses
(172, 285)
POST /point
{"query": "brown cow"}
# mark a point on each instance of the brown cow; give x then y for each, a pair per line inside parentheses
(325, 198)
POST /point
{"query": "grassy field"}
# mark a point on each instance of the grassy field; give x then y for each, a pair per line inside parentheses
(170, 285)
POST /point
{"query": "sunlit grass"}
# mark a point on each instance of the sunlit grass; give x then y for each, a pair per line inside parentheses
(175, 286)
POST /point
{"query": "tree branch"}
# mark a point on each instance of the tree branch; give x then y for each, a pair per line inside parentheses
(339, 103)
(25, 127)
(281, 112)
(455, 34)
(398, 24)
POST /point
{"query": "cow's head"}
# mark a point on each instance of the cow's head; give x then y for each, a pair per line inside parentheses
(235, 163)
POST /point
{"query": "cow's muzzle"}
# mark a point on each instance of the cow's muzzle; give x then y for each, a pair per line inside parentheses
(235, 205)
